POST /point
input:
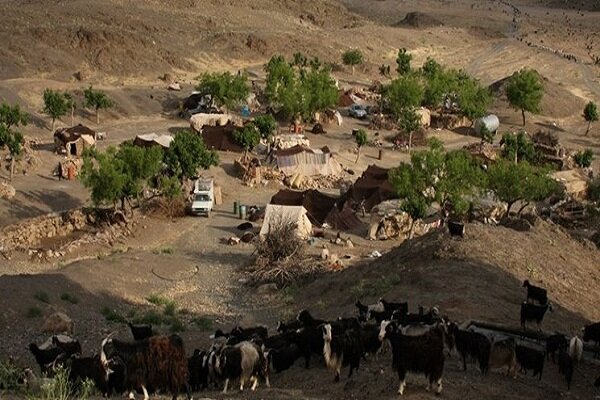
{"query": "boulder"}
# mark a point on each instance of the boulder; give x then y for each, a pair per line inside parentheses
(7, 191)
(57, 323)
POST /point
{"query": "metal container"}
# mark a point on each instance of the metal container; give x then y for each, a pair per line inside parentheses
(242, 212)
(235, 207)
(491, 122)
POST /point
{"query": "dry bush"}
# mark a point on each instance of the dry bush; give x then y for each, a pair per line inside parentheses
(280, 257)
(280, 243)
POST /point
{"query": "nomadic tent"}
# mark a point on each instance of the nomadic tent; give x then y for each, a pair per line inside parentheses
(275, 214)
(152, 139)
(321, 208)
(373, 186)
(221, 138)
(307, 161)
(74, 140)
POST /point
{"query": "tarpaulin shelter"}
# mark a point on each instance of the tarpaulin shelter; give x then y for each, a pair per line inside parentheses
(307, 161)
(152, 139)
(373, 186)
(320, 207)
(221, 138)
(275, 214)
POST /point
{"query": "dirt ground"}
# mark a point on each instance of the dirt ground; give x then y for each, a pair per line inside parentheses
(123, 47)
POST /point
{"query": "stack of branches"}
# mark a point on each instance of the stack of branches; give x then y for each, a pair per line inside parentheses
(280, 257)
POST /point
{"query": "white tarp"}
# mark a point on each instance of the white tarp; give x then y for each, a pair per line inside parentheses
(197, 121)
(275, 214)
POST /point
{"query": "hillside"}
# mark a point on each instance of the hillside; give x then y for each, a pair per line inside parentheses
(478, 277)
(132, 38)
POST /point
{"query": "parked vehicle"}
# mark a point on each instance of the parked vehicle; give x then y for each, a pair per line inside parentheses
(204, 195)
(357, 111)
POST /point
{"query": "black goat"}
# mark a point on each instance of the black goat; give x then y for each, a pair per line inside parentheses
(401, 308)
(420, 354)
(536, 293)
(529, 358)
(565, 367)
(70, 347)
(591, 333)
(292, 325)
(140, 331)
(46, 358)
(533, 312)
(471, 345)
(554, 343)
(308, 320)
(198, 371)
(340, 350)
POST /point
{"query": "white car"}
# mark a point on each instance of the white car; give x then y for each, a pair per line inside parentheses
(203, 197)
(357, 111)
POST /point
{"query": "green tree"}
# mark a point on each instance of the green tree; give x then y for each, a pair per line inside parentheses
(403, 62)
(361, 139)
(352, 58)
(473, 98)
(431, 68)
(403, 92)
(102, 173)
(12, 117)
(70, 100)
(525, 91)
(170, 188)
(138, 165)
(449, 179)
(97, 100)
(266, 125)
(584, 158)
(486, 135)
(512, 182)
(317, 92)
(247, 137)
(437, 86)
(187, 153)
(119, 174)
(590, 113)
(518, 147)
(224, 89)
(409, 122)
(282, 86)
(55, 105)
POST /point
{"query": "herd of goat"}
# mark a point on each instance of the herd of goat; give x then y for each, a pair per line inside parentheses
(419, 344)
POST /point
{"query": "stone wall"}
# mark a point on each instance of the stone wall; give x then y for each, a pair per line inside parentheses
(29, 233)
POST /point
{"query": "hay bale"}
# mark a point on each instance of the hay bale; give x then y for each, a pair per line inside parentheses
(58, 322)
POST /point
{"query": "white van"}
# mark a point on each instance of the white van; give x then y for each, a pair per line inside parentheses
(204, 197)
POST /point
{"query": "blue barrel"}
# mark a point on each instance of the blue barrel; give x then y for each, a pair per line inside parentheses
(242, 212)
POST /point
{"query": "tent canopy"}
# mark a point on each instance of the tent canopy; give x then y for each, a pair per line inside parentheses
(373, 186)
(307, 161)
(276, 214)
(152, 139)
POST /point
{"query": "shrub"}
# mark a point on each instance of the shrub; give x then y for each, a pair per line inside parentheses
(9, 375)
(176, 325)
(33, 312)
(69, 298)
(584, 158)
(60, 388)
(42, 296)
(112, 315)
(203, 323)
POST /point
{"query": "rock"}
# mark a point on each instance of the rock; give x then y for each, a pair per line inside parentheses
(7, 191)
(58, 322)
(267, 289)
(349, 244)
(174, 86)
